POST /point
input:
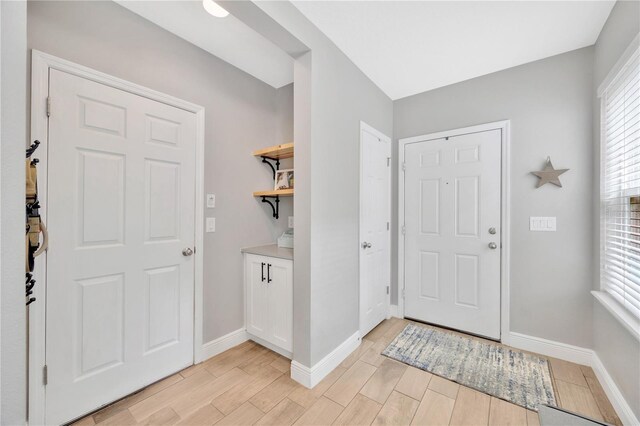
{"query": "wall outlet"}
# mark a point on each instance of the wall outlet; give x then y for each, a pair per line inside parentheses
(210, 225)
(211, 201)
(544, 224)
(290, 221)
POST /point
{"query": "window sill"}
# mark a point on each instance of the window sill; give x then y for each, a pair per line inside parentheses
(629, 322)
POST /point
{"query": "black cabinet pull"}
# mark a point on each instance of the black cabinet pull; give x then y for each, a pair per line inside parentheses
(269, 273)
(262, 271)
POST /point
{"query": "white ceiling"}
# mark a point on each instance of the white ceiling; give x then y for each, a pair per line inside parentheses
(408, 47)
(227, 38)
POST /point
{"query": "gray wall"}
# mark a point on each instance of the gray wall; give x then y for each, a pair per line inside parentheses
(327, 217)
(342, 96)
(242, 114)
(302, 206)
(284, 115)
(549, 105)
(13, 81)
(618, 350)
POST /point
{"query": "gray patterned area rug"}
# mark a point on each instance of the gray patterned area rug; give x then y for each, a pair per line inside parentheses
(505, 373)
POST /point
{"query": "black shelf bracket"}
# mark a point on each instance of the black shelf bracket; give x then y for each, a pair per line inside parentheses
(276, 207)
(268, 160)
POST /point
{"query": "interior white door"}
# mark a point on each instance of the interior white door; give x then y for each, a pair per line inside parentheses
(452, 232)
(121, 182)
(375, 259)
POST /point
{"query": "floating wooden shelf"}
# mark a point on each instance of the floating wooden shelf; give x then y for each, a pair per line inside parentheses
(270, 155)
(280, 192)
(277, 152)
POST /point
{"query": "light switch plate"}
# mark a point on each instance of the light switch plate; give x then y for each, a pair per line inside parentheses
(290, 221)
(211, 224)
(211, 201)
(544, 224)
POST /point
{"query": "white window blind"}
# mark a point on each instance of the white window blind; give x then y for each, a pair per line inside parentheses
(620, 110)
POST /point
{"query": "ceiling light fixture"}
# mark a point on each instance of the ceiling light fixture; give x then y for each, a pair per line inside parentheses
(214, 8)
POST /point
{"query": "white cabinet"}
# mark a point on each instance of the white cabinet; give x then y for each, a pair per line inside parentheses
(269, 299)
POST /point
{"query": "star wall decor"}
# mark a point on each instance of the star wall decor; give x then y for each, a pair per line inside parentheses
(549, 175)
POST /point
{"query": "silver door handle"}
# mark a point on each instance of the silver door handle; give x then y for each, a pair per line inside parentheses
(366, 245)
(493, 246)
(187, 251)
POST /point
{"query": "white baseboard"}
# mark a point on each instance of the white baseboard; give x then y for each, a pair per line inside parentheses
(582, 356)
(223, 343)
(393, 311)
(309, 377)
(623, 409)
(550, 348)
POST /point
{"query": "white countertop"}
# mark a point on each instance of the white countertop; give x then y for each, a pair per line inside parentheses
(271, 250)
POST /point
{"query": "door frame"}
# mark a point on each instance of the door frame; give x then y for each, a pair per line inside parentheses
(505, 213)
(41, 63)
(365, 127)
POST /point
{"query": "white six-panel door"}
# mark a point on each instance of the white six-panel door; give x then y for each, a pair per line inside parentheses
(121, 188)
(452, 232)
(375, 194)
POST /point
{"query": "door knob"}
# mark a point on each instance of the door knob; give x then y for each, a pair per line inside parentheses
(493, 246)
(187, 251)
(366, 245)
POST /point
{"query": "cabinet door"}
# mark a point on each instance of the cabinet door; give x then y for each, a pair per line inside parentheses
(281, 303)
(256, 297)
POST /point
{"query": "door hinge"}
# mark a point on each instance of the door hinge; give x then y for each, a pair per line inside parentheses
(387, 289)
(404, 166)
(403, 293)
(387, 226)
(404, 230)
(388, 161)
(48, 106)
(45, 375)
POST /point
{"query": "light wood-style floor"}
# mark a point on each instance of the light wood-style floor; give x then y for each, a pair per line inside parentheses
(250, 384)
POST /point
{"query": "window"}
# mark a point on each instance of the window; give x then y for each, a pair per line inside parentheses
(620, 174)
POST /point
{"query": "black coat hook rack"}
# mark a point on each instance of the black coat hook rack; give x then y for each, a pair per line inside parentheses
(33, 148)
(32, 213)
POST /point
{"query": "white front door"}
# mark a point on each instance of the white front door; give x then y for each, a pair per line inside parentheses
(375, 194)
(452, 232)
(121, 188)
